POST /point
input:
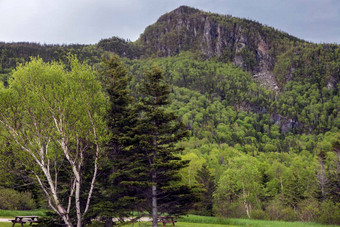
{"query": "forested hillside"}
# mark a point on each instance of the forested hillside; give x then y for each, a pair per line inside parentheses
(272, 155)
(261, 106)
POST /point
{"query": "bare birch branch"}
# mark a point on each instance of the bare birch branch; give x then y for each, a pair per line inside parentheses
(47, 194)
(71, 195)
(95, 163)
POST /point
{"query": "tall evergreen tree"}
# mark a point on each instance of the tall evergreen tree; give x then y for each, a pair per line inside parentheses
(158, 131)
(116, 198)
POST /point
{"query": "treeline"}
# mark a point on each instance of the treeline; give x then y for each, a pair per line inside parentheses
(12, 54)
(121, 47)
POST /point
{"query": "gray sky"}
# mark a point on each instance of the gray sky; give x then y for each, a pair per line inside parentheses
(88, 21)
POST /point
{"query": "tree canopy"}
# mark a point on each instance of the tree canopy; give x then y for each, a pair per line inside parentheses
(54, 117)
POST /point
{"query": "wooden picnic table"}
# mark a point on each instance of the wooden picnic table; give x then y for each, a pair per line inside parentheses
(166, 219)
(23, 219)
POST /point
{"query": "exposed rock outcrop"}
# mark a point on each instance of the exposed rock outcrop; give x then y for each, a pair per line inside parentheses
(237, 40)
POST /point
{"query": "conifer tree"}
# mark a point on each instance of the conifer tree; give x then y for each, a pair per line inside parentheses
(158, 131)
(115, 197)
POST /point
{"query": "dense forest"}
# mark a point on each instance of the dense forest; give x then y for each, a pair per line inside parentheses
(257, 127)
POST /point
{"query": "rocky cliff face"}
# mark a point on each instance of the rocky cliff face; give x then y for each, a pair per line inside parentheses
(244, 42)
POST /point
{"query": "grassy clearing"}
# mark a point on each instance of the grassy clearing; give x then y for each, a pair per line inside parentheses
(187, 221)
(186, 224)
(6, 224)
(180, 224)
(265, 223)
(200, 221)
(247, 222)
(204, 219)
(13, 213)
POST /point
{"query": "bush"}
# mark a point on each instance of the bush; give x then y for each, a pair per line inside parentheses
(329, 213)
(14, 200)
(288, 214)
(308, 209)
(277, 211)
(259, 214)
(274, 209)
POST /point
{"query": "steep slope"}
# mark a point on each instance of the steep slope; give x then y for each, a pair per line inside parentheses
(243, 42)
(247, 44)
(273, 57)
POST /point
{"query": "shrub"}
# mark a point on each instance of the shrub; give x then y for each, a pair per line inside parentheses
(329, 213)
(14, 200)
(308, 209)
(259, 214)
(288, 214)
(277, 211)
(274, 209)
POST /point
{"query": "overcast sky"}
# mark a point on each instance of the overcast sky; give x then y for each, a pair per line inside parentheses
(88, 21)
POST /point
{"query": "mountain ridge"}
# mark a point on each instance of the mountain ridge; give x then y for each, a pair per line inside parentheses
(271, 56)
(261, 50)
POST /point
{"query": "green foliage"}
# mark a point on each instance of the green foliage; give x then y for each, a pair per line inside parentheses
(14, 200)
(208, 187)
(312, 63)
(116, 198)
(274, 151)
(329, 212)
(120, 47)
(157, 132)
(53, 118)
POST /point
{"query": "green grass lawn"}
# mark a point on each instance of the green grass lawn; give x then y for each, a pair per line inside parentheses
(237, 222)
(13, 213)
(186, 221)
(246, 222)
(181, 224)
(5, 224)
(265, 223)
(202, 221)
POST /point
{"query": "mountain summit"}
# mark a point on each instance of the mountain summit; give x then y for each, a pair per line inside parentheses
(248, 44)
(272, 57)
(244, 42)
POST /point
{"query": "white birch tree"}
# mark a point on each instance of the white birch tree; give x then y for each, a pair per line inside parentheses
(242, 180)
(55, 118)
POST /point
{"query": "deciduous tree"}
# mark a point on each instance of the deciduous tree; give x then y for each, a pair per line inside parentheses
(55, 119)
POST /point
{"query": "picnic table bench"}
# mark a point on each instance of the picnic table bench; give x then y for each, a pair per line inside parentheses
(23, 219)
(166, 219)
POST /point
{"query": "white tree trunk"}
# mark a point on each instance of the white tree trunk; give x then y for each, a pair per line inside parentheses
(154, 187)
(247, 205)
(154, 202)
(322, 178)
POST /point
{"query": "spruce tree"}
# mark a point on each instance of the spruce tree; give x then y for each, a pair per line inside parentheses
(115, 197)
(158, 132)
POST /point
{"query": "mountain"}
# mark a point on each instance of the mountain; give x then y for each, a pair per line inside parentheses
(272, 153)
(256, 48)
(272, 57)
